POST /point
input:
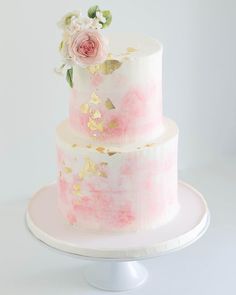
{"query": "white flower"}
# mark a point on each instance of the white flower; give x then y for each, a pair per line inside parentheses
(100, 17)
(65, 22)
(74, 26)
(96, 24)
(64, 49)
(62, 69)
(85, 23)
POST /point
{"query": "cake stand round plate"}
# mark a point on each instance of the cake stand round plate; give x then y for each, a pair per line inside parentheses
(116, 269)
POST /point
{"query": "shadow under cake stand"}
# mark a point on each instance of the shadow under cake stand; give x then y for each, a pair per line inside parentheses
(116, 267)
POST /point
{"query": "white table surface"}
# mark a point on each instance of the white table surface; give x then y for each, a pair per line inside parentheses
(207, 267)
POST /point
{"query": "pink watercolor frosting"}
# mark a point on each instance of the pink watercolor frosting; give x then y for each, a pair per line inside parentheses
(126, 191)
(137, 115)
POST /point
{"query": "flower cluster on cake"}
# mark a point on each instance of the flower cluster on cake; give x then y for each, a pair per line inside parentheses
(117, 154)
(83, 44)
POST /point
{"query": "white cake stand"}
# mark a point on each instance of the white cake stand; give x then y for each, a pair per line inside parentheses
(116, 255)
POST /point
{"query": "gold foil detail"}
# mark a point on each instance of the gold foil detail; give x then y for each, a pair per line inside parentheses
(131, 49)
(74, 145)
(100, 149)
(102, 174)
(109, 56)
(93, 125)
(109, 66)
(112, 153)
(113, 124)
(106, 68)
(89, 146)
(95, 114)
(90, 166)
(82, 174)
(150, 144)
(93, 69)
(109, 105)
(95, 98)
(67, 170)
(77, 189)
(84, 108)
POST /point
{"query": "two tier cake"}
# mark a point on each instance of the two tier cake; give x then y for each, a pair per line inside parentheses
(117, 154)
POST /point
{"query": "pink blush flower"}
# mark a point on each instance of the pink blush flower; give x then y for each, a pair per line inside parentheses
(88, 47)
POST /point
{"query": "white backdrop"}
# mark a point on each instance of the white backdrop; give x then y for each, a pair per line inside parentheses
(199, 89)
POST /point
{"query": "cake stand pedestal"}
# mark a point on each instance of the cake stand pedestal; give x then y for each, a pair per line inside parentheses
(116, 255)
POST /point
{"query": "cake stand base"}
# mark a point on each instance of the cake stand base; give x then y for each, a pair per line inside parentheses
(116, 267)
(116, 276)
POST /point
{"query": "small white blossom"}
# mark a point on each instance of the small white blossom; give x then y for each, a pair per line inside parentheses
(96, 24)
(85, 23)
(100, 17)
(62, 69)
(66, 20)
(74, 26)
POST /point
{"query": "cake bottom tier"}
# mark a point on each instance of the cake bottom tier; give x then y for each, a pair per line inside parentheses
(117, 188)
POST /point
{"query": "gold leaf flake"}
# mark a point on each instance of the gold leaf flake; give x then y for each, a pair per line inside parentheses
(96, 114)
(93, 125)
(131, 49)
(90, 166)
(95, 98)
(112, 153)
(102, 174)
(82, 174)
(100, 127)
(109, 105)
(100, 149)
(84, 108)
(109, 66)
(93, 69)
(67, 170)
(89, 146)
(109, 56)
(150, 144)
(76, 188)
(106, 68)
(74, 145)
(113, 124)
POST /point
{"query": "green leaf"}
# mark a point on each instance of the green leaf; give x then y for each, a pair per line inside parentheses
(68, 20)
(92, 11)
(108, 17)
(61, 45)
(69, 77)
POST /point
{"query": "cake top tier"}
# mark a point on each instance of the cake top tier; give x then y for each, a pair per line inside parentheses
(116, 80)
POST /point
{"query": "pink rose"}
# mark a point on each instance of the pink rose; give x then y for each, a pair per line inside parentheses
(88, 47)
